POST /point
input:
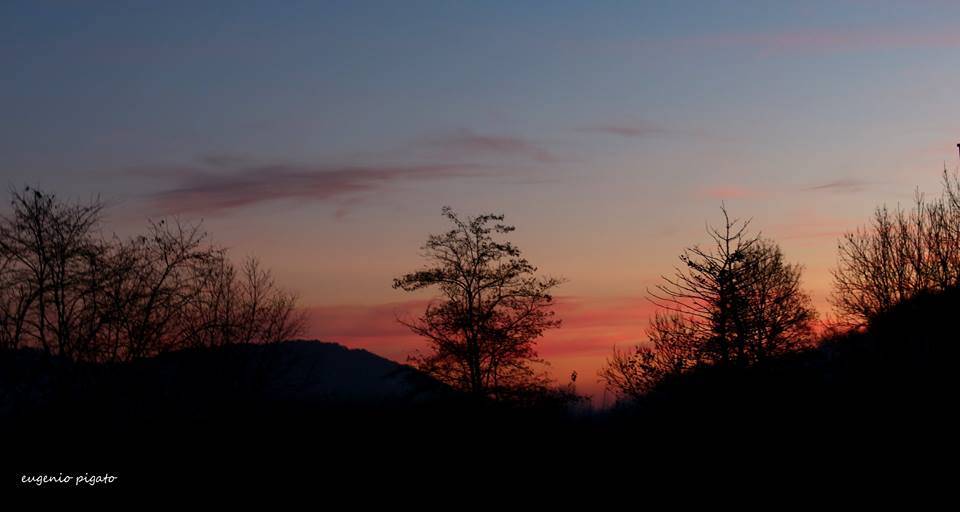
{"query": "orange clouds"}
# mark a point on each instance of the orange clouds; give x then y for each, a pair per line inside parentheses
(374, 328)
(591, 328)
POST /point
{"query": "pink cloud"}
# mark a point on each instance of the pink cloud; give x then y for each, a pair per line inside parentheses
(591, 328)
(585, 320)
(372, 327)
(840, 186)
(489, 144)
(202, 190)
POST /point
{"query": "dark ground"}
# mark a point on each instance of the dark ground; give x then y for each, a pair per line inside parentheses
(871, 407)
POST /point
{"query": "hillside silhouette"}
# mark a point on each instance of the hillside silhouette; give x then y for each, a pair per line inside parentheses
(891, 380)
(235, 404)
(212, 415)
(313, 373)
(878, 391)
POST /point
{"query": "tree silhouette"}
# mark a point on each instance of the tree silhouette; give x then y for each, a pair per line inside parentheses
(48, 271)
(779, 314)
(899, 254)
(675, 349)
(69, 292)
(734, 303)
(482, 332)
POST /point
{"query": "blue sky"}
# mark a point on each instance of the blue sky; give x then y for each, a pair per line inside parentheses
(164, 82)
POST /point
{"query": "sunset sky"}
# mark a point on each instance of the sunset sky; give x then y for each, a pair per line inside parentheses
(324, 137)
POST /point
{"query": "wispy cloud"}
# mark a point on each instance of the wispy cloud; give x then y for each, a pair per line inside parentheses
(630, 130)
(840, 186)
(846, 185)
(210, 190)
(595, 325)
(485, 144)
(372, 327)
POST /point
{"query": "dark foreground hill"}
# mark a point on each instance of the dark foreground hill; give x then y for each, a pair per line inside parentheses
(298, 373)
(282, 414)
(890, 385)
(305, 414)
(211, 411)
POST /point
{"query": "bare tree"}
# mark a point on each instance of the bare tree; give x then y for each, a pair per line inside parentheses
(47, 249)
(230, 306)
(900, 253)
(707, 291)
(778, 314)
(673, 348)
(482, 332)
(155, 280)
(734, 303)
(69, 292)
(269, 313)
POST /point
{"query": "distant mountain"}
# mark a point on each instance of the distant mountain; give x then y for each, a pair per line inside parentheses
(300, 372)
(312, 370)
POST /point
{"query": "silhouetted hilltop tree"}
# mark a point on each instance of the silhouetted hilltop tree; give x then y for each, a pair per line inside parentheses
(888, 384)
(734, 303)
(899, 254)
(483, 330)
(779, 314)
(69, 292)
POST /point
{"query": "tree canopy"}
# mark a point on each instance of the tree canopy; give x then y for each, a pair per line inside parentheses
(482, 330)
(735, 302)
(69, 291)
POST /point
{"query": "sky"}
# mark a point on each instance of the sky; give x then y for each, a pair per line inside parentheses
(325, 137)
